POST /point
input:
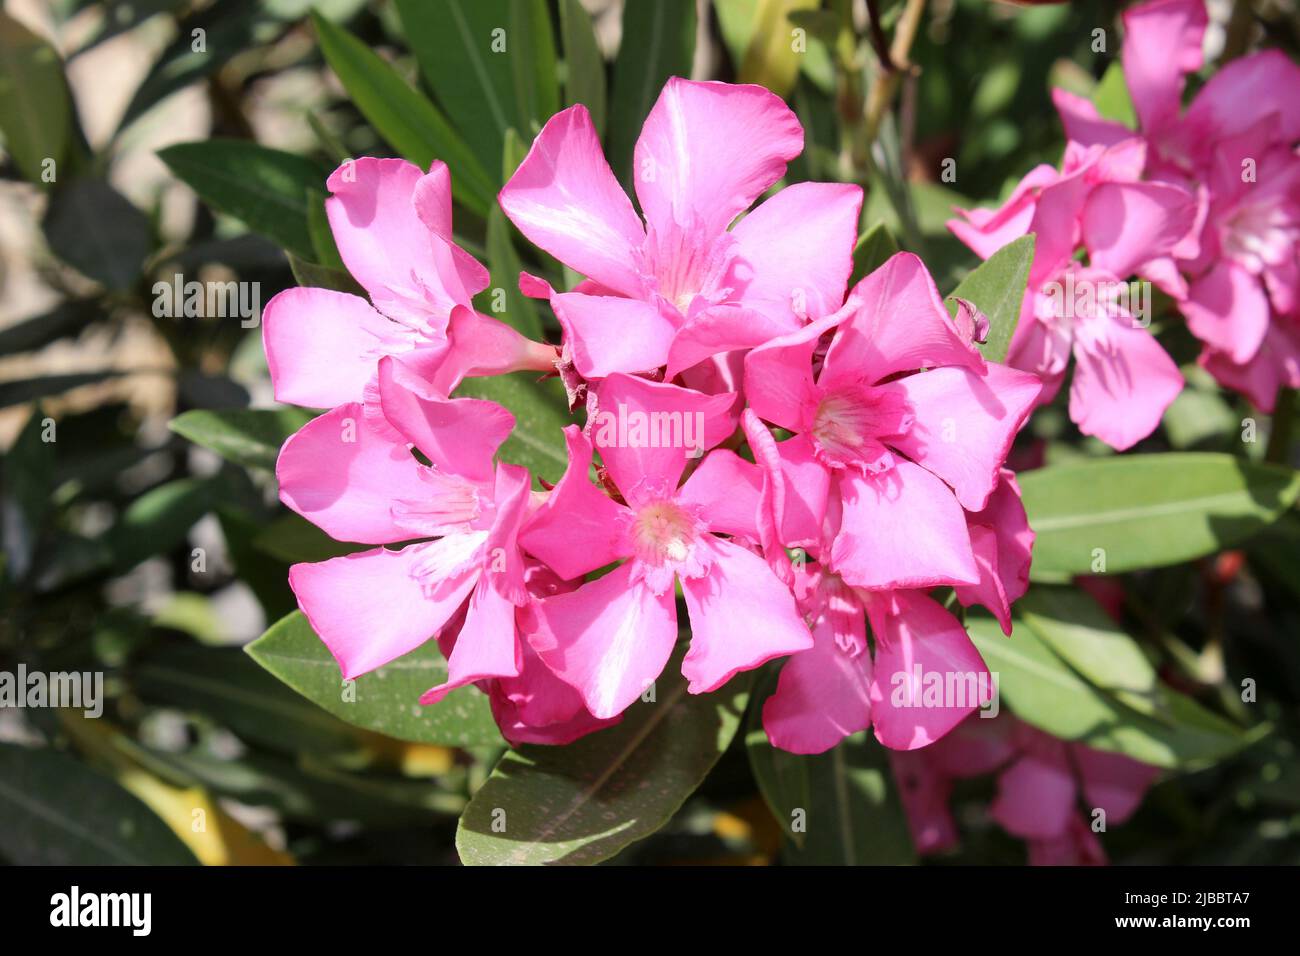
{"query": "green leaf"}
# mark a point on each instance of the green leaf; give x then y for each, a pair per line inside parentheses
(1111, 96)
(537, 441)
(770, 57)
(997, 288)
(26, 479)
(35, 107)
(1043, 690)
(536, 75)
(415, 127)
(56, 811)
(95, 229)
(291, 538)
(246, 436)
(873, 249)
(25, 389)
(844, 801)
(1127, 512)
(584, 80)
(658, 42)
(224, 685)
(386, 700)
(66, 318)
(465, 53)
(159, 519)
(322, 236)
(504, 263)
(266, 189)
(313, 276)
(584, 802)
(1075, 627)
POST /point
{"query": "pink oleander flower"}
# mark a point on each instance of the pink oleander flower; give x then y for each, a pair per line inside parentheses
(392, 226)
(682, 287)
(1123, 379)
(1235, 148)
(353, 481)
(612, 636)
(892, 482)
(1047, 789)
(897, 428)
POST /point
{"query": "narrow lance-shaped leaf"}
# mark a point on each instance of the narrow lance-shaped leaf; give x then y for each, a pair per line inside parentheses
(1144, 511)
(386, 700)
(874, 247)
(56, 811)
(584, 66)
(1043, 690)
(658, 42)
(837, 808)
(584, 802)
(772, 56)
(246, 436)
(35, 107)
(96, 230)
(266, 189)
(997, 288)
(414, 126)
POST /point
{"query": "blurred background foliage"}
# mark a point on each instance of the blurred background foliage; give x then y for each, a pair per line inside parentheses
(193, 139)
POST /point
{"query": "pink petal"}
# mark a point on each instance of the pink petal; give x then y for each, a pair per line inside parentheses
(609, 639)
(924, 792)
(902, 529)
(1036, 794)
(371, 608)
(965, 424)
(646, 431)
(708, 150)
(565, 199)
(322, 346)
(1228, 310)
(609, 334)
(480, 345)
(1128, 224)
(579, 528)
(895, 323)
(1113, 782)
(985, 231)
(822, 695)
(722, 328)
(741, 616)
(486, 647)
(1244, 91)
(343, 477)
(778, 375)
(1162, 43)
(1120, 394)
(1003, 544)
(1277, 364)
(459, 435)
(919, 644)
(795, 251)
(410, 272)
(1083, 124)
(725, 489)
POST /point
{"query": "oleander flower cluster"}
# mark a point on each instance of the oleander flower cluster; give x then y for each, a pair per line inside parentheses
(799, 463)
(1203, 203)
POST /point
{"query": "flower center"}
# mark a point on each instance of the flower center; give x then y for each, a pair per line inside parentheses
(849, 423)
(663, 533)
(1259, 234)
(685, 267)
